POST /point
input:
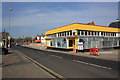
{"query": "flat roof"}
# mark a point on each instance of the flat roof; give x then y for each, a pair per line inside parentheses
(79, 26)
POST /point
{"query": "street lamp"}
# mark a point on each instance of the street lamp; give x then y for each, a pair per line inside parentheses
(118, 22)
(10, 9)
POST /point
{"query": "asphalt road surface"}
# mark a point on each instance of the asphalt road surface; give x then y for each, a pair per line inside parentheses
(71, 66)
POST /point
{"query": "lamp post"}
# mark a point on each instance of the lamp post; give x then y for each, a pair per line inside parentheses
(9, 38)
(10, 9)
(117, 22)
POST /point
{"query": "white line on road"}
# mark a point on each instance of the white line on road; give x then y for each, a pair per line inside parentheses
(52, 55)
(56, 56)
(91, 64)
(41, 53)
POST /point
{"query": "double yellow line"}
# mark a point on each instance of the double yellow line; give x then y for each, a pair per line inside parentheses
(58, 76)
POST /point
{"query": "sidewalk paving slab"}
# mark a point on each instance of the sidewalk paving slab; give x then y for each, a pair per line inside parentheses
(15, 65)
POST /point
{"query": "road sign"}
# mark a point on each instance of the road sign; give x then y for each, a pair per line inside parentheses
(80, 46)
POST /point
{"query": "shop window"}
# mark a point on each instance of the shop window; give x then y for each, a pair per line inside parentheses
(95, 33)
(109, 34)
(81, 40)
(101, 33)
(105, 34)
(70, 32)
(114, 34)
(57, 34)
(64, 40)
(58, 44)
(54, 35)
(67, 32)
(85, 32)
(82, 32)
(60, 34)
(73, 33)
(78, 32)
(88, 32)
(50, 43)
(92, 32)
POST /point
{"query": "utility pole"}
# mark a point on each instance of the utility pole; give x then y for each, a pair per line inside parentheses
(9, 38)
(4, 38)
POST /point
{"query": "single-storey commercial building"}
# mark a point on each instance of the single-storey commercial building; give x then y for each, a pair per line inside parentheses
(83, 36)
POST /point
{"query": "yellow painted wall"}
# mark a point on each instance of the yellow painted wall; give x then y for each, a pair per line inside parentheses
(48, 46)
(76, 43)
(82, 27)
(47, 42)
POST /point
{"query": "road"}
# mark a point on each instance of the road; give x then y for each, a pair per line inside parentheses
(71, 66)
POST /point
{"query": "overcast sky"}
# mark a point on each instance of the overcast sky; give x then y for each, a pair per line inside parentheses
(31, 18)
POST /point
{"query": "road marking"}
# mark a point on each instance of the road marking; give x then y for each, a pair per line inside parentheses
(52, 55)
(41, 53)
(91, 64)
(56, 56)
(100, 66)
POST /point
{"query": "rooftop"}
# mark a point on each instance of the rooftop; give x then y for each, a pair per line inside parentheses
(80, 26)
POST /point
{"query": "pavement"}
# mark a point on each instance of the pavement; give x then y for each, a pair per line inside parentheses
(111, 54)
(15, 65)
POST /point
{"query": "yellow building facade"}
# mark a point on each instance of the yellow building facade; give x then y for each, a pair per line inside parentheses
(82, 36)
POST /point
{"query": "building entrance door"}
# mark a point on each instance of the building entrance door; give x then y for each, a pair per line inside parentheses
(71, 43)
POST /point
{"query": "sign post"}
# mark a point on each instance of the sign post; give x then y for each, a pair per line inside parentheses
(9, 38)
(80, 46)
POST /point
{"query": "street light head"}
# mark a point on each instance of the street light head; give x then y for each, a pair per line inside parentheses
(10, 9)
